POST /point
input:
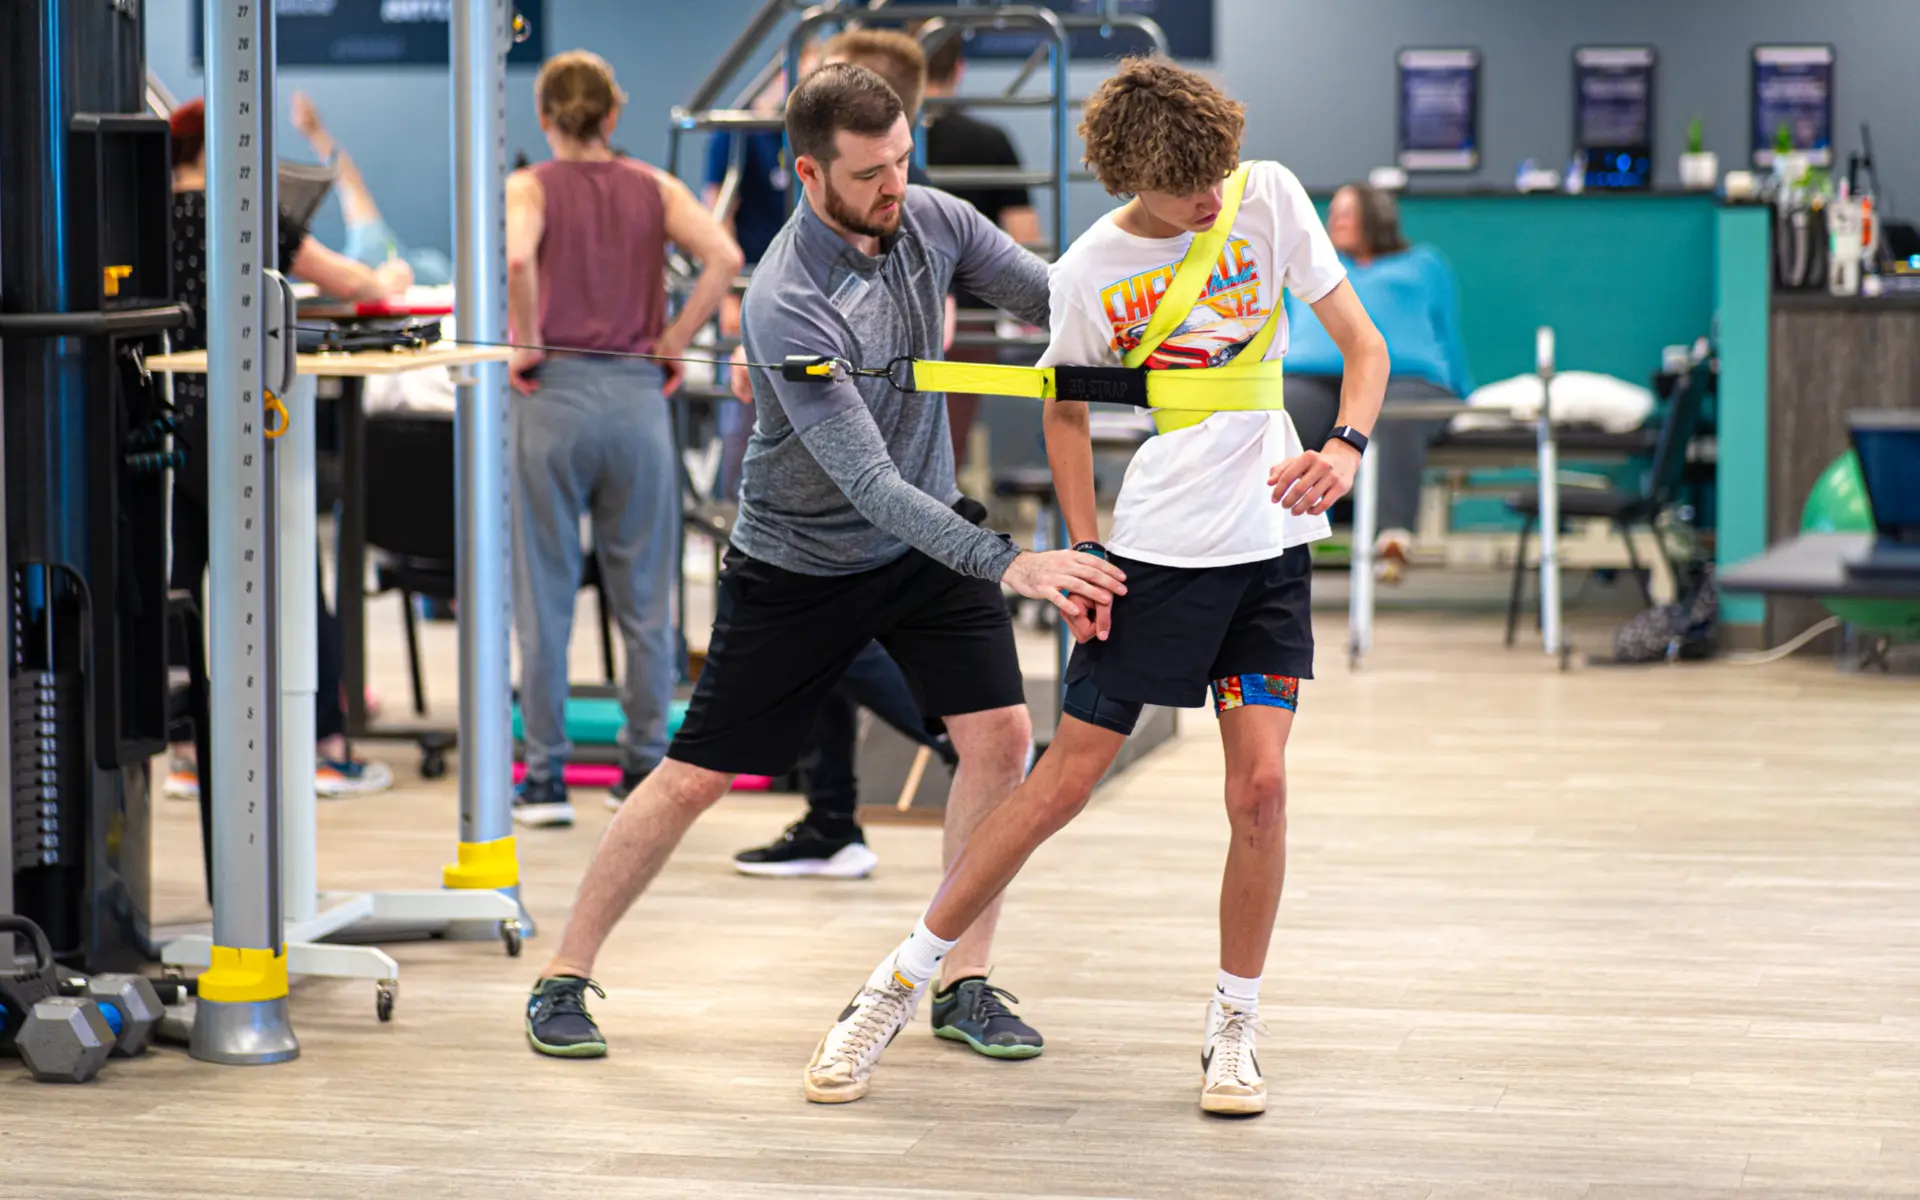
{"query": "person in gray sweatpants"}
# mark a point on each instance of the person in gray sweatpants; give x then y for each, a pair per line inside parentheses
(587, 236)
(595, 438)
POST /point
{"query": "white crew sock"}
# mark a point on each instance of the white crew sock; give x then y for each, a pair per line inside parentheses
(919, 956)
(1243, 994)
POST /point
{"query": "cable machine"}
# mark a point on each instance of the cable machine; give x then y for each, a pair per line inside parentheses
(85, 270)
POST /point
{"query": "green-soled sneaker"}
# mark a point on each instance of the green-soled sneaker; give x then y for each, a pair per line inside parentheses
(557, 1018)
(975, 1012)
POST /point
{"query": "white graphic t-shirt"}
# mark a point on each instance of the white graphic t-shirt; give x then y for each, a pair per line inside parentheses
(1199, 497)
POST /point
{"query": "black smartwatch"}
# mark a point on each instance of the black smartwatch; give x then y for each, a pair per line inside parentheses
(1093, 548)
(1348, 434)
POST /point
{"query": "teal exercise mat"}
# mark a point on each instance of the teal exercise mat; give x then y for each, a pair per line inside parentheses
(597, 720)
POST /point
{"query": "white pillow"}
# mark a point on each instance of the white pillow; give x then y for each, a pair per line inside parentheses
(1579, 398)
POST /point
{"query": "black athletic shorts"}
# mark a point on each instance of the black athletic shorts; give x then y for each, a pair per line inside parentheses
(1179, 629)
(782, 640)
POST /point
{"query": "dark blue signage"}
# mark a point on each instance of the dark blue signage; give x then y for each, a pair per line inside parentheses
(376, 33)
(1439, 110)
(1793, 87)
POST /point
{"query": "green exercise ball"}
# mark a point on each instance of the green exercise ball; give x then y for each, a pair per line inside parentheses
(1838, 504)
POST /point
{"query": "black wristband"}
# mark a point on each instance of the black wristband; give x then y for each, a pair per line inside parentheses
(1093, 548)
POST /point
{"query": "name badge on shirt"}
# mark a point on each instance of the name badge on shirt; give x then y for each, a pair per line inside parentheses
(848, 294)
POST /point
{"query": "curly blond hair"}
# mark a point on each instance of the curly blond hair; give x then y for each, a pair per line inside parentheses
(1158, 127)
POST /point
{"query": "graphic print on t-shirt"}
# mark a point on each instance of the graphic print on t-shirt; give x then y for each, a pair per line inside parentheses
(1219, 326)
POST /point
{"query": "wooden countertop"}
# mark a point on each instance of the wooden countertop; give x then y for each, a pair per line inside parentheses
(361, 363)
(1822, 301)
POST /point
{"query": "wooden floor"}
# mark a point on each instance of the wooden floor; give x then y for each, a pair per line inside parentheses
(1649, 933)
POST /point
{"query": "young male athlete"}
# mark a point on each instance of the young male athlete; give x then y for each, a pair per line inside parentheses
(847, 534)
(1211, 527)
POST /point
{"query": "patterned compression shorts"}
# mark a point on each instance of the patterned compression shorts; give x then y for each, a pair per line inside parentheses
(1271, 691)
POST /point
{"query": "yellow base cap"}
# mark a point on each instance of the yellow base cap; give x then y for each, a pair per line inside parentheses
(484, 865)
(240, 974)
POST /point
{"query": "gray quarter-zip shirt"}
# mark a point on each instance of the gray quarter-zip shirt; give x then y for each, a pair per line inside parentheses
(844, 476)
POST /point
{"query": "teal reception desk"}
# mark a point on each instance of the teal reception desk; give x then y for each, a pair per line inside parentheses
(1620, 276)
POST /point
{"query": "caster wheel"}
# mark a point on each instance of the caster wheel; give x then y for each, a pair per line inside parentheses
(433, 765)
(510, 934)
(383, 1002)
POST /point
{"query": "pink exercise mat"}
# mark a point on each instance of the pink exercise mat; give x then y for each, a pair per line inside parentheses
(606, 775)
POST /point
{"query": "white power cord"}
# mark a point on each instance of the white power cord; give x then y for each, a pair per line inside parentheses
(1779, 652)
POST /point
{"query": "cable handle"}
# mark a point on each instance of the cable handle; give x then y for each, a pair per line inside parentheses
(42, 949)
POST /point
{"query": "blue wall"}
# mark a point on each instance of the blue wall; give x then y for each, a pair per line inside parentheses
(1316, 75)
(396, 122)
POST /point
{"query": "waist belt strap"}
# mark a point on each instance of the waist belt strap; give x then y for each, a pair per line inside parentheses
(1179, 394)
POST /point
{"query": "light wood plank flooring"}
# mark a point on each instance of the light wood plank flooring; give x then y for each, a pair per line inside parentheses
(1650, 933)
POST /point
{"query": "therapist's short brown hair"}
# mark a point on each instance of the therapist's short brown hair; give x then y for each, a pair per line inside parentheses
(1157, 127)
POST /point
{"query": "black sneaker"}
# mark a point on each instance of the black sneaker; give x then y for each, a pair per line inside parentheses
(630, 778)
(975, 1012)
(805, 850)
(943, 746)
(542, 802)
(557, 1018)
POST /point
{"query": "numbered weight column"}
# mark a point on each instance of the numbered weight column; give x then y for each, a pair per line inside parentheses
(242, 1012)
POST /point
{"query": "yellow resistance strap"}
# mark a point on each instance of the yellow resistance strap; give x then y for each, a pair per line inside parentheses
(1177, 398)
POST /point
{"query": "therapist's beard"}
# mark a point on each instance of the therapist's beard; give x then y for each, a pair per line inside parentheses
(867, 224)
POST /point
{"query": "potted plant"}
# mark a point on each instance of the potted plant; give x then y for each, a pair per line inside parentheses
(1699, 166)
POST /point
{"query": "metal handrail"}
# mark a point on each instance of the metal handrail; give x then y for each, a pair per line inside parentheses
(987, 177)
(1001, 16)
(771, 13)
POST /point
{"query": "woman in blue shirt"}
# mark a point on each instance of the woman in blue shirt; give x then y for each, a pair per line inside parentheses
(1409, 292)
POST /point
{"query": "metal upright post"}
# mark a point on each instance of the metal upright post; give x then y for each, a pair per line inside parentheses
(1061, 145)
(1550, 634)
(242, 1012)
(298, 628)
(1366, 519)
(481, 33)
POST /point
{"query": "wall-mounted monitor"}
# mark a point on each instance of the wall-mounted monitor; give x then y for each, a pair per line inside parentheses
(1439, 110)
(1793, 87)
(1613, 115)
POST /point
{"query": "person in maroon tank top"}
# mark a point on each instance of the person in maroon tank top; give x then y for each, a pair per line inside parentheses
(587, 235)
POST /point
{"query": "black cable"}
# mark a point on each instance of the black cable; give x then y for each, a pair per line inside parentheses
(421, 343)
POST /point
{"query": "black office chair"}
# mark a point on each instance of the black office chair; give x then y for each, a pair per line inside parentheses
(411, 503)
(1625, 509)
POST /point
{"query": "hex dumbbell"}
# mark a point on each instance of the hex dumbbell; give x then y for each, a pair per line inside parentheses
(65, 1039)
(132, 1008)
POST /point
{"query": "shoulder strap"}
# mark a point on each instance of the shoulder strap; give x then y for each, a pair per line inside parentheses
(1194, 270)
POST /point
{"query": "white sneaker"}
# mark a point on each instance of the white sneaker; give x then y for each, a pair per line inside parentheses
(1233, 1084)
(334, 778)
(842, 1066)
(183, 783)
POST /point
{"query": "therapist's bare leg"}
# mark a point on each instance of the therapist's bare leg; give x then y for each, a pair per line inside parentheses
(637, 843)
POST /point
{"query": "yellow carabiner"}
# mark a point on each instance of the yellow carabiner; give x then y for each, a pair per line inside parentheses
(277, 407)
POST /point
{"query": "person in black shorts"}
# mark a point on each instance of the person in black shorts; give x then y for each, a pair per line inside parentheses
(847, 534)
(1211, 527)
(827, 841)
